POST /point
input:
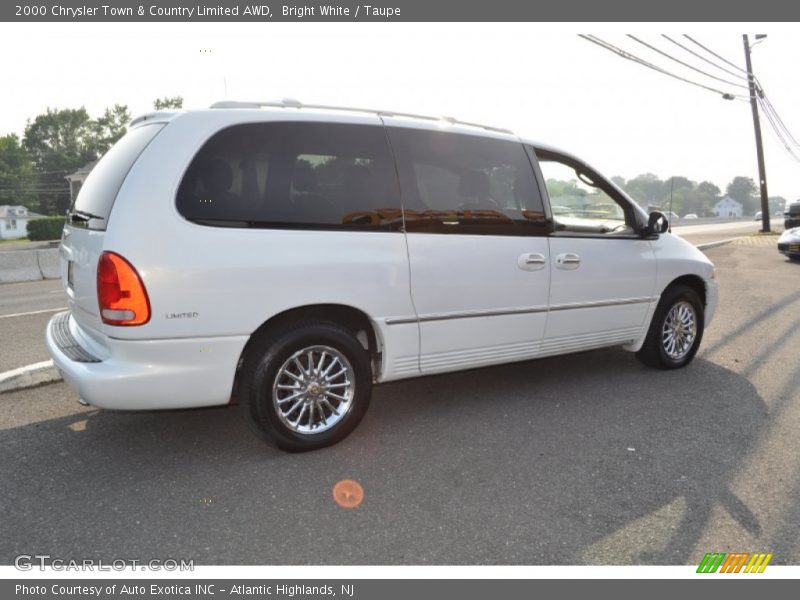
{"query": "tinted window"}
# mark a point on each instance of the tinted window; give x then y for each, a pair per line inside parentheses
(316, 175)
(456, 183)
(98, 192)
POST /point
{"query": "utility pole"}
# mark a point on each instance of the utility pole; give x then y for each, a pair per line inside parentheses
(762, 175)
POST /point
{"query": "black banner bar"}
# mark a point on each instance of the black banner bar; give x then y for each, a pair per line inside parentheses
(402, 10)
(385, 589)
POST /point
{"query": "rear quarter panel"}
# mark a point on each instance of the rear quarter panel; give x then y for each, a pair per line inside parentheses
(212, 281)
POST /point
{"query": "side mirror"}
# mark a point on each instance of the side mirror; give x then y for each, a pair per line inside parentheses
(657, 223)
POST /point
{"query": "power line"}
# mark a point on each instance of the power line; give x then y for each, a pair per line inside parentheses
(767, 106)
(722, 58)
(776, 129)
(703, 58)
(685, 64)
(649, 65)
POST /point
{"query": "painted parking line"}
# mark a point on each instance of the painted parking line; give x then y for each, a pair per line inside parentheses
(33, 312)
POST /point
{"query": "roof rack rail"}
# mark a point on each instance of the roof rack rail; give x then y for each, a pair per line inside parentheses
(292, 103)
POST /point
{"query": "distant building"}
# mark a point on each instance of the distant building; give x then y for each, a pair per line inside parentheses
(727, 207)
(14, 222)
(77, 178)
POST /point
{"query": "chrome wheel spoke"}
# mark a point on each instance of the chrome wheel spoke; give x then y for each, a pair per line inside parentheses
(324, 401)
(298, 394)
(300, 416)
(335, 376)
(299, 380)
(332, 386)
(321, 361)
(321, 412)
(294, 406)
(311, 406)
(327, 370)
(300, 366)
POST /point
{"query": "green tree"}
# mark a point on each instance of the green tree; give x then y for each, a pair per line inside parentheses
(709, 189)
(647, 189)
(168, 102)
(59, 141)
(776, 203)
(743, 189)
(16, 173)
(110, 127)
(558, 188)
(707, 195)
(62, 140)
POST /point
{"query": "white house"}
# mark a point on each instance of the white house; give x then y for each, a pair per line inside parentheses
(14, 222)
(728, 207)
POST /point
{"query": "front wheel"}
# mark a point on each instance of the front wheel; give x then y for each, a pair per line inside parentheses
(308, 386)
(675, 331)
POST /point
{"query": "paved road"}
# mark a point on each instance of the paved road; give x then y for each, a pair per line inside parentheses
(23, 336)
(590, 458)
(706, 233)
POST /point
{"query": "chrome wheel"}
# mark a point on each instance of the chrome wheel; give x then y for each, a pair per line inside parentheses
(313, 390)
(679, 330)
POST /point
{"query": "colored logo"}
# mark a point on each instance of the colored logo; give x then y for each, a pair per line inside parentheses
(735, 562)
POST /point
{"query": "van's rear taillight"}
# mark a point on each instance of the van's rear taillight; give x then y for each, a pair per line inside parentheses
(120, 292)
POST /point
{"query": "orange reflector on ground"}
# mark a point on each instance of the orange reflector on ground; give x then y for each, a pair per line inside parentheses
(348, 493)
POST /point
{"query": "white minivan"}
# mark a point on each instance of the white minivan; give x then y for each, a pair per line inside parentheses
(292, 256)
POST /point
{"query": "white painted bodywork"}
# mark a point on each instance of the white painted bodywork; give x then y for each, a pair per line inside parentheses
(436, 302)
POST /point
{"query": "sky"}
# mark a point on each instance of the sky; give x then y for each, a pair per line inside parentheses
(540, 80)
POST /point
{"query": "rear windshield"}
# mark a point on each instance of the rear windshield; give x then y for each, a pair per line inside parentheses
(96, 196)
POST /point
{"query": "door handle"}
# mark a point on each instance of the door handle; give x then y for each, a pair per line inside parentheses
(568, 261)
(532, 261)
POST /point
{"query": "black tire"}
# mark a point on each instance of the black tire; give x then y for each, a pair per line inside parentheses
(653, 354)
(263, 364)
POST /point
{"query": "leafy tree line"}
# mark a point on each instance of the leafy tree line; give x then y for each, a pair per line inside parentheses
(54, 144)
(691, 197)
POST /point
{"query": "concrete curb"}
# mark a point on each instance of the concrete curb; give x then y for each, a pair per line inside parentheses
(717, 243)
(29, 376)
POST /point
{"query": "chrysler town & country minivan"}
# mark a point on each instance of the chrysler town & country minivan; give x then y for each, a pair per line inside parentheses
(293, 256)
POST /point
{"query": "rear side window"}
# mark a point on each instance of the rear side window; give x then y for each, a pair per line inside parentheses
(457, 183)
(98, 192)
(306, 175)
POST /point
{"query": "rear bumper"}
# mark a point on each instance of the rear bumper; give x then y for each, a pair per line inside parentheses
(144, 375)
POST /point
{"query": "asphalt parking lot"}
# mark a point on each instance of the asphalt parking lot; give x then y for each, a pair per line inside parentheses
(583, 459)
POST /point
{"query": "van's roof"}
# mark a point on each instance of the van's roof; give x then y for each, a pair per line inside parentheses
(344, 114)
(337, 113)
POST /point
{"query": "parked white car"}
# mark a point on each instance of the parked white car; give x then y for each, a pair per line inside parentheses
(291, 257)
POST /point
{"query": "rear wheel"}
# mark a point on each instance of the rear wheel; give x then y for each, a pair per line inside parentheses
(308, 386)
(675, 331)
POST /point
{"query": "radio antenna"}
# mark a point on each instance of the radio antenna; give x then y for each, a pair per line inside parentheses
(671, 185)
